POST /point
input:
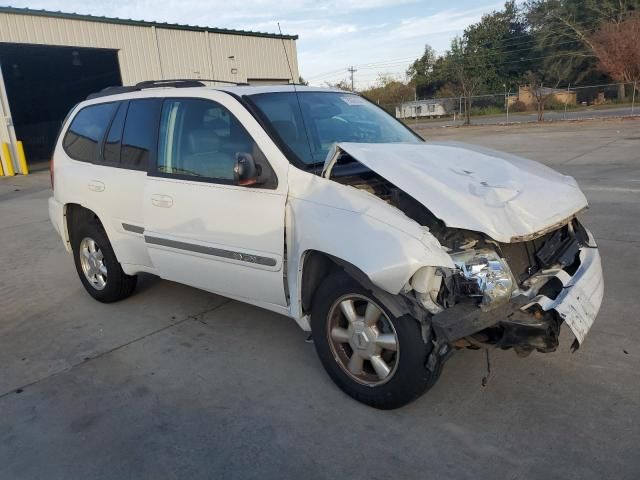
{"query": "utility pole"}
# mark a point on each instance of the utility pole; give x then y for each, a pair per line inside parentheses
(506, 100)
(352, 70)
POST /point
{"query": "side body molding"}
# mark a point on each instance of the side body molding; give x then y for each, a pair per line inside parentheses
(357, 227)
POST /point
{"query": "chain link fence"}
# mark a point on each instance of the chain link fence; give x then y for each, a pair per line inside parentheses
(522, 105)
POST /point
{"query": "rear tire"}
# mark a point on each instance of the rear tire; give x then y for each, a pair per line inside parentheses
(392, 371)
(97, 265)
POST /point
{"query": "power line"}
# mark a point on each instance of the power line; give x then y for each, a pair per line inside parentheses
(506, 43)
(362, 65)
(485, 65)
(402, 60)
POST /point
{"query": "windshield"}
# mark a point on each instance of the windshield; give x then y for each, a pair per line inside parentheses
(328, 118)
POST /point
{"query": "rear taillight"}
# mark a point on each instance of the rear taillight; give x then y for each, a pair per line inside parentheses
(51, 172)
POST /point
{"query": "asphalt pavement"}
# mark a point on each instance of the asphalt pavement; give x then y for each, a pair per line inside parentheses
(178, 383)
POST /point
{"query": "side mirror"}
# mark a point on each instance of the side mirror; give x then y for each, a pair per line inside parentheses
(245, 170)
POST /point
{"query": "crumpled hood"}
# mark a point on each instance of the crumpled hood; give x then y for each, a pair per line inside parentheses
(474, 188)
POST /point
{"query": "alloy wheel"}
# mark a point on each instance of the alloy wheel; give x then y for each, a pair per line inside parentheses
(363, 340)
(92, 263)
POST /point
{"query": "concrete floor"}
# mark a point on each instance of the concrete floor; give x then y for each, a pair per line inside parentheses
(178, 383)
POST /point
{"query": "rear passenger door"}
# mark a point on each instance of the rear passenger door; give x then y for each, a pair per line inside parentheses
(111, 145)
(202, 227)
(128, 149)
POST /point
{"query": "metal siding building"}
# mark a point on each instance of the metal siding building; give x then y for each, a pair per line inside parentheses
(96, 52)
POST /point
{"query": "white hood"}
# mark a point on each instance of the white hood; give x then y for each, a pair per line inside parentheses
(506, 197)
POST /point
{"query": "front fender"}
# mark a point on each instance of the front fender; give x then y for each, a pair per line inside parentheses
(359, 228)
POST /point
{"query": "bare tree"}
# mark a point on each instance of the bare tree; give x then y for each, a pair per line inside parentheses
(468, 73)
(541, 94)
(617, 46)
(469, 84)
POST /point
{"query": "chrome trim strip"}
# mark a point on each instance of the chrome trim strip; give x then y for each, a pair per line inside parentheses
(216, 252)
(133, 228)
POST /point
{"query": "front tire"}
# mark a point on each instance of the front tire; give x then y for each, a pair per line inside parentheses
(97, 265)
(373, 356)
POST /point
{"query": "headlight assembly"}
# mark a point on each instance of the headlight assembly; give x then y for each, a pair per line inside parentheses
(485, 275)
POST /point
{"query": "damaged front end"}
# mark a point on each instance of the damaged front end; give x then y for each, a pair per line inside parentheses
(508, 294)
(517, 295)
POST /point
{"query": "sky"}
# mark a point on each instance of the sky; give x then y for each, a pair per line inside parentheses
(377, 37)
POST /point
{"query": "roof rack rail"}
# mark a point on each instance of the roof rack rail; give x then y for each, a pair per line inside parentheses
(172, 83)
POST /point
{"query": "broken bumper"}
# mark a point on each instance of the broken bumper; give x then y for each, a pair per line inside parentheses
(528, 320)
(579, 300)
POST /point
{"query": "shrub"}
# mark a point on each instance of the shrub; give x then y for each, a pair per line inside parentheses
(490, 110)
(518, 106)
(554, 104)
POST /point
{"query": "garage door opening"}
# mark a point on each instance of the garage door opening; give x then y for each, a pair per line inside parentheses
(44, 82)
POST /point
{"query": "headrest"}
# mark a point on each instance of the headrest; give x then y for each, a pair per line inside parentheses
(203, 140)
(324, 111)
(287, 130)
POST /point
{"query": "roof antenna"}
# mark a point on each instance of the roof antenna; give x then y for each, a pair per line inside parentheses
(295, 90)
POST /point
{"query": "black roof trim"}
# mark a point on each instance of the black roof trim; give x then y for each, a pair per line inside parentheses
(140, 23)
(172, 83)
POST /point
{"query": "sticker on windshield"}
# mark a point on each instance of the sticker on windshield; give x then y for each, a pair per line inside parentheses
(353, 100)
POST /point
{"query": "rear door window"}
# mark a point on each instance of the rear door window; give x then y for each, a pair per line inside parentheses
(83, 138)
(139, 135)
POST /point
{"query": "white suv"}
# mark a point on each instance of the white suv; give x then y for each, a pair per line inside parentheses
(317, 204)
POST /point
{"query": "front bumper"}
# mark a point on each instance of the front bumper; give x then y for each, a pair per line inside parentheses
(531, 319)
(579, 300)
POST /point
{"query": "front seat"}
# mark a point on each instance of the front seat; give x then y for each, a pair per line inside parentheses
(203, 155)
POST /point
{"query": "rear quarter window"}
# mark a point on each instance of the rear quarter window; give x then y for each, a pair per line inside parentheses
(82, 139)
(111, 148)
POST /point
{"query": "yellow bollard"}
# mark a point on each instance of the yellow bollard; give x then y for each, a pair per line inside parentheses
(22, 159)
(1, 169)
(6, 155)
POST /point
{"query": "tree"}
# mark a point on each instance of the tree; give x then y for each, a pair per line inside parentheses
(492, 52)
(468, 73)
(302, 81)
(540, 93)
(423, 73)
(389, 92)
(341, 85)
(502, 44)
(563, 28)
(617, 47)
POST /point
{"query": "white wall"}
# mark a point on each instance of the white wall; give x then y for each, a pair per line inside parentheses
(408, 110)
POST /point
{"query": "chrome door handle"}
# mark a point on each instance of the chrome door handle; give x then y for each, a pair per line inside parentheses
(164, 201)
(96, 186)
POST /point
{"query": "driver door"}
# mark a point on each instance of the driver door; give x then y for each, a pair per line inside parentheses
(202, 228)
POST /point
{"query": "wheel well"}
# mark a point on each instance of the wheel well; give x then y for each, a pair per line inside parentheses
(316, 267)
(77, 214)
(319, 265)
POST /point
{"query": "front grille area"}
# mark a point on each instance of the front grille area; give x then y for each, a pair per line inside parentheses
(558, 246)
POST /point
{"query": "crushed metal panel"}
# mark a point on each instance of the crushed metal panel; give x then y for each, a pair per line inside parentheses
(473, 188)
(359, 228)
